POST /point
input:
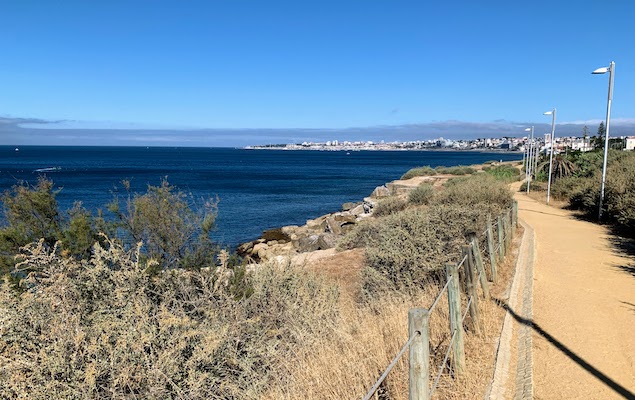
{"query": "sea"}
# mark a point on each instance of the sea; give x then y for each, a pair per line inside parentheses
(256, 189)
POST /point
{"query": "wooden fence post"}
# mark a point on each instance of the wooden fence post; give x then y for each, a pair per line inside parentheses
(419, 363)
(501, 243)
(508, 230)
(476, 253)
(491, 250)
(471, 288)
(511, 226)
(454, 301)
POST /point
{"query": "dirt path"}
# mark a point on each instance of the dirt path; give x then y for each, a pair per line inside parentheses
(583, 309)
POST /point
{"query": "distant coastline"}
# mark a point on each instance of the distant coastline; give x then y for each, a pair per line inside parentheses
(505, 144)
(439, 149)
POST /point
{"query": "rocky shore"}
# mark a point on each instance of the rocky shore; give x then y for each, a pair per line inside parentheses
(324, 232)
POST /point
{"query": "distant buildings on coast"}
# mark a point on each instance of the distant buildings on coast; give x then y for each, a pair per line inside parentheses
(562, 144)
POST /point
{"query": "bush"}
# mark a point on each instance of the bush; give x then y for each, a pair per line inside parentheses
(568, 187)
(411, 247)
(506, 173)
(458, 170)
(105, 328)
(476, 189)
(174, 233)
(421, 195)
(389, 205)
(419, 171)
(620, 192)
(535, 186)
(31, 213)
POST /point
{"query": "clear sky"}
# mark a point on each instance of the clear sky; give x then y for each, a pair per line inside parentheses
(219, 65)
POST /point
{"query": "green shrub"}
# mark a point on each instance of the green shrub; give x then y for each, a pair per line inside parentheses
(506, 173)
(457, 170)
(422, 194)
(476, 189)
(389, 206)
(174, 233)
(620, 192)
(411, 247)
(419, 171)
(568, 187)
(535, 186)
(429, 171)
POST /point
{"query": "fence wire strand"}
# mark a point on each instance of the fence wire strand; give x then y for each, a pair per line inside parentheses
(392, 364)
(439, 297)
(469, 303)
(458, 267)
(383, 376)
(445, 360)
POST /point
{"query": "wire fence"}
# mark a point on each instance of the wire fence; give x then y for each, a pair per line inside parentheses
(473, 268)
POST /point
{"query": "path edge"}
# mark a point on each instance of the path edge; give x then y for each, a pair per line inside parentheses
(520, 300)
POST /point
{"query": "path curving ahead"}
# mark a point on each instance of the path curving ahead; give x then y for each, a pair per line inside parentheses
(583, 308)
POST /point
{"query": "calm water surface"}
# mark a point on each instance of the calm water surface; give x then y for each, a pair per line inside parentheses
(258, 189)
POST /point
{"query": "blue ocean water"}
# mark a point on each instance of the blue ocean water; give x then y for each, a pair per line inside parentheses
(258, 189)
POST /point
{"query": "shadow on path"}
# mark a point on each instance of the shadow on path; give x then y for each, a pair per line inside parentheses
(623, 244)
(629, 269)
(629, 304)
(621, 390)
(542, 212)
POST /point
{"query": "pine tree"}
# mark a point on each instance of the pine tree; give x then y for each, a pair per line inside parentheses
(598, 140)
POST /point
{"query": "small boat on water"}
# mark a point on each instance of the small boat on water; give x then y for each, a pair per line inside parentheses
(49, 169)
(16, 149)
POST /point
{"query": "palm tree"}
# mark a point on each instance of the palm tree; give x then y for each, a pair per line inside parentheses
(562, 167)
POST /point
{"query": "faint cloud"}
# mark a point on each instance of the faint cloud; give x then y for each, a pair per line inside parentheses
(32, 131)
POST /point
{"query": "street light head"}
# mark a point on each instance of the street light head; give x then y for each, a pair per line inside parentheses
(602, 70)
(527, 129)
(547, 113)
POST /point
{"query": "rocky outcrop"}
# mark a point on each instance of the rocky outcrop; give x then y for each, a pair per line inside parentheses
(325, 231)
(320, 233)
(380, 192)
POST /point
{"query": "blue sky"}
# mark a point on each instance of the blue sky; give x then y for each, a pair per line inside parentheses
(201, 72)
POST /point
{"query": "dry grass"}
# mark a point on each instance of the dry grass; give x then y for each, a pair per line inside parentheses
(345, 364)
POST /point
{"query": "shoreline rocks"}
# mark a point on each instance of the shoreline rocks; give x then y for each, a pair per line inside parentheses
(323, 232)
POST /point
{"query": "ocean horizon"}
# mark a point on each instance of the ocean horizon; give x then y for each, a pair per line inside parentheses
(258, 189)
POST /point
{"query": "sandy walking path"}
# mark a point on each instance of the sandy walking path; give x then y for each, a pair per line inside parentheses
(583, 309)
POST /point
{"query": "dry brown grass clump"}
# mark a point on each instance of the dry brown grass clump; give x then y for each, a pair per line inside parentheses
(105, 328)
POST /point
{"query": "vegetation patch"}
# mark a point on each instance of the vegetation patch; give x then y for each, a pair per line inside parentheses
(389, 205)
(506, 173)
(429, 171)
(421, 195)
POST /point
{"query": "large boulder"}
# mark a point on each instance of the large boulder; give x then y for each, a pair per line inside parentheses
(318, 224)
(344, 217)
(307, 243)
(327, 241)
(358, 210)
(277, 234)
(380, 192)
(333, 226)
(348, 206)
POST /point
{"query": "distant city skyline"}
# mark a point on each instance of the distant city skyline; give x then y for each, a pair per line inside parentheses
(239, 73)
(37, 132)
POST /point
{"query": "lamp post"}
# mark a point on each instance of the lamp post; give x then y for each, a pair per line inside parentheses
(611, 70)
(553, 142)
(530, 160)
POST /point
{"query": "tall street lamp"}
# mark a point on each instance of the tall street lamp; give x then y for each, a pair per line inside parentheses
(553, 142)
(611, 70)
(528, 168)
